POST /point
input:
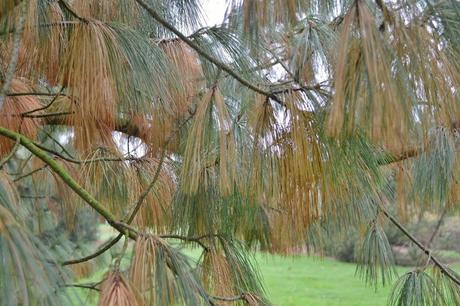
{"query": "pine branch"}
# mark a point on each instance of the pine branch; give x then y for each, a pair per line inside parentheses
(204, 54)
(68, 180)
(123, 228)
(425, 250)
(87, 161)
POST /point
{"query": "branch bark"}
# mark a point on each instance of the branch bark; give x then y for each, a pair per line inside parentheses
(425, 250)
(64, 175)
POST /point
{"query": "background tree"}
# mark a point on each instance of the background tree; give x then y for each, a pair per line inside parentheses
(288, 124)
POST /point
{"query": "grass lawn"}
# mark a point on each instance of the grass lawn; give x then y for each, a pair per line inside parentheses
(311, 281)
(318, 282)
(305, 281)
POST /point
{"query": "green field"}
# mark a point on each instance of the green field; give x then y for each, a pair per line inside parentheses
(311, 281)
(303, 280)
(307, 281)
(318, 282)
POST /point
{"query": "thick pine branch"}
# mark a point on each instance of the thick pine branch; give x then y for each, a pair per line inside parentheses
(68, 180)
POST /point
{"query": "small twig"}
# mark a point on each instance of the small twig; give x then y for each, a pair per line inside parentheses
(84, 286)
(46, 115)
(389, 159)
(144, 195)
(29, 173)
(30, 93)
(63, 149)
(34, 196)
(229, 298)
(185, 238)
(55, 97)
(71, 10)
(87, 161)
(101, 251)
(123, 252)
(428, 259)
(438, 226)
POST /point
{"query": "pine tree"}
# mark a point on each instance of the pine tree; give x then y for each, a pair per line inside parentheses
(291, 123)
